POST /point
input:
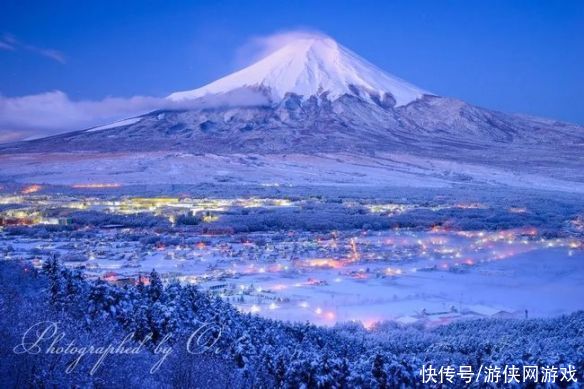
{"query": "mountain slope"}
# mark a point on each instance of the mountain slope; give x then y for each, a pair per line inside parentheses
(315, 98)
(314, 125)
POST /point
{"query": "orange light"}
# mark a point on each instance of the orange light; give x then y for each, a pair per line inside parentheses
(110, 277)
(369, 324)
(31, 189)
(324, 262)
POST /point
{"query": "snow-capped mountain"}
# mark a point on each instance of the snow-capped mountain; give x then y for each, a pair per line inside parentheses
(315, 99)
(312, 66)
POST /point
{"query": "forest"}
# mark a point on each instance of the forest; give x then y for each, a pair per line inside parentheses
(188, 338)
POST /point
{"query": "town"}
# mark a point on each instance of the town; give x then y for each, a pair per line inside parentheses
(286, 271)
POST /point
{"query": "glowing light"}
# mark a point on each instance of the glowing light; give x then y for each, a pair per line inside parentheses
(324, 262)
(110, 277)
(31, 189)
(575, 245)
(95, 186)
(369, 324)
(354, 252)
(273, 306)
(255, 309)
(393, 272)
(210, 218)
(318, 311)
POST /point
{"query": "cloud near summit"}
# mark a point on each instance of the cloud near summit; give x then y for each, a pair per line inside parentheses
(259, 47)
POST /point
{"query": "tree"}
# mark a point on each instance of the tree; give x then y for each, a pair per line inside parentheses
(54, 272)
(155, 288)
(378, 371)
(103, 300)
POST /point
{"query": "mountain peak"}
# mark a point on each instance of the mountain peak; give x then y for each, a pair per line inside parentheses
(311, 66)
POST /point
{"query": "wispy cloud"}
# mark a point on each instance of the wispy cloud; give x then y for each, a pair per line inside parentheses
(6, 46)
(259, 47)
(55, 55)
(10, 43)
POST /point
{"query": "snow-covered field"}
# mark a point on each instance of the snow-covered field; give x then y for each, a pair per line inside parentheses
(403, 276)
(399, 170)
(409, 276)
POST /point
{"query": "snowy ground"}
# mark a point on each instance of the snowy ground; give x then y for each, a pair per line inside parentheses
(445, 275)
(399, 170)
(408, 276)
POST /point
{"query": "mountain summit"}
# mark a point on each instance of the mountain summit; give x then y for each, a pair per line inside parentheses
(312, 66)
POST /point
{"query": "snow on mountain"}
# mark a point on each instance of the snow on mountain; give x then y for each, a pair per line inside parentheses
(312, 66)
(344, 120)
(119, 123)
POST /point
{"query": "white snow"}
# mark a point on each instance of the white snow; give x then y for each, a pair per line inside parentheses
(120, 123)
(310, 66)
(532, 276)
(382, 170)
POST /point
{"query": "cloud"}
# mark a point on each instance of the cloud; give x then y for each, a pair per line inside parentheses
(6, 46)
(55, 55)
(50, 113)
(10, 43)
(259, 47)
(53, 112)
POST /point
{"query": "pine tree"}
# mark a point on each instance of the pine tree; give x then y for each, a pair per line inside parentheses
(155, 288)
(378, 371)
(280, 369)
(103, 300)
(56, 280)
(244, 350)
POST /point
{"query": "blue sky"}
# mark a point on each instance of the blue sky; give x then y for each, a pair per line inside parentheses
(514, 56)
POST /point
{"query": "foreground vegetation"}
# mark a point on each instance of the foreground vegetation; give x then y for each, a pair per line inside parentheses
(241, 350)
